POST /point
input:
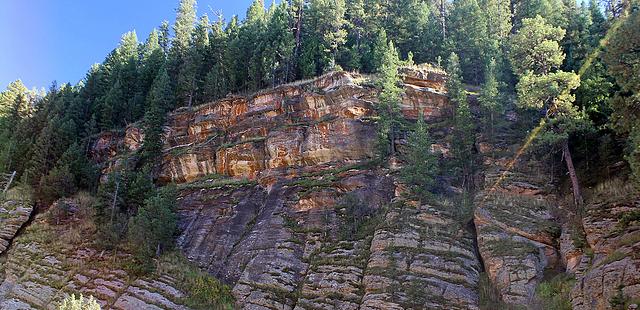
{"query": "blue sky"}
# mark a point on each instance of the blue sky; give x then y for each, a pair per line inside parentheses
(46, 40)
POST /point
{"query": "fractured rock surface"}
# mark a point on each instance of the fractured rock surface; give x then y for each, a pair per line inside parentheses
(516, 231)
(34, 275)
(13, 215)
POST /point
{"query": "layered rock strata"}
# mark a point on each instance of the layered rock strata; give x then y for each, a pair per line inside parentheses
(14, 213)
(35, 274)
(517, 234)
(609, 274)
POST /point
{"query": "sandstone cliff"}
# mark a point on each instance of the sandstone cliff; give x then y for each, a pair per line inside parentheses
(280, 199)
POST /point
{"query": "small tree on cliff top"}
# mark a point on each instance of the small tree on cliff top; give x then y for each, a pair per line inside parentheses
(536, 55)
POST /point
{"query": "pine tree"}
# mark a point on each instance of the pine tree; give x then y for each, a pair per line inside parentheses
(379, 50)
(469, 38)
(191, 79)
(8, 98)
(183, 29)
(535, 55)
(159, 101)
(280, 44)
(420, 163)
(490, 96)
(163, 36)
(463, 135)
(151, 230)
(325, 33)
(576, 43)
(389, 106)
(153, 59)
(623, 64)
(218, 79)
(598, 27)
(85, 173)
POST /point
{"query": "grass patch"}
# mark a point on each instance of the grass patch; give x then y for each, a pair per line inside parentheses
(614, 189)
(555, 294)
(627, 218)
(613, 257)
(215, 181)
(489, 294)
(203, 290)
(510, 247)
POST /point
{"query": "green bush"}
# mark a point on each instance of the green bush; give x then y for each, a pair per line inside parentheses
(554, 294)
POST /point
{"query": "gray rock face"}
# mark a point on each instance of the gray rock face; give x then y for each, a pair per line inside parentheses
(613, 270)
(35, 275)
(13, 215)
(516, 231)
(290, 247)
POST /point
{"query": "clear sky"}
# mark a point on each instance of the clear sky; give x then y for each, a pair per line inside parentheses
(46, 40)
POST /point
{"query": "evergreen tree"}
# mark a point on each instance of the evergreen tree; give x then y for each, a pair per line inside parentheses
(469, 38)
(576, 43)
(191, 80)
(250, 46)
(218, 79)
(463, 134)
(598, 27)
(623, 64)
(420, 163)
(163, 36)
(279, 46)
(379, 50)
(159, 101)
(389, 106)
(535, 54)
(183, 29)
(153, 59)
(490, 96)
(8, 98)
(324, 33)
(84, 172)
(151, 230)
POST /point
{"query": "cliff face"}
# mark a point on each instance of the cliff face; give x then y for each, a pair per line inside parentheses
(289, 237)
(517, 234)
(14, 213)
(279, 198)
(609, 275)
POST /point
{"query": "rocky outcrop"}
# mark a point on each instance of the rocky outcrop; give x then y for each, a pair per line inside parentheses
(610, 275)
(420, 258)
(328, 240)
(37, 273)
(517, 235)
(305, 222)
(308, 123)
(14, 213)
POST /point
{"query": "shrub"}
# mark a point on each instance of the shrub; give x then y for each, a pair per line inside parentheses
(555, 293)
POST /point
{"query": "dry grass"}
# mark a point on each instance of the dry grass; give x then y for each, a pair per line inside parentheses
(613, 189)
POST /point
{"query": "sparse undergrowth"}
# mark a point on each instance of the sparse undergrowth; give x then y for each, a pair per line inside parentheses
(203, 290)
(554, 294)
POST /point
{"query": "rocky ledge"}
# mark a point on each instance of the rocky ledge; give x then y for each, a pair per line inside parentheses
(293, 126)
(15, 211)
(609, 270)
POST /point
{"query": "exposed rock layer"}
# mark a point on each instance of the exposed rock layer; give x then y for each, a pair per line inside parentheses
(14, 213)
(516, 231)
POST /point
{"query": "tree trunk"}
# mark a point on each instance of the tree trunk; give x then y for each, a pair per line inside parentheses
(113, 204)
(443, 21)
(566, 153)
